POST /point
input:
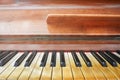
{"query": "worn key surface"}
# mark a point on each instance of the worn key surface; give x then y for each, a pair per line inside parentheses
(10, 68)
(28, 70)
(77, 73)
(2, 68)
(98, 74)
(105, 70)
(18, 70)
(47, 70)
(37, 71)
(87, 71)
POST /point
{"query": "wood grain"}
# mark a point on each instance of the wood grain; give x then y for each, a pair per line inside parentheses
(28, 17)
(84, 23)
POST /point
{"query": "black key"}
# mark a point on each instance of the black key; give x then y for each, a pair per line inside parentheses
(86, 59)
(118, 52)
(44, 59)
(99, 59)
(53, 59)
(20, 59)
(30, 59)
(62, 59)
(1, 52)
(106, 57)
(113, 56)
(75, 58)
(7, 58)
(4, 54)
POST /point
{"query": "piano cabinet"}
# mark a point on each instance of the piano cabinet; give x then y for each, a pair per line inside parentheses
(59, 40)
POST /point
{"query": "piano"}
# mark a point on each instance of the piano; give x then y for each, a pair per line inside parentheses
(59, 40)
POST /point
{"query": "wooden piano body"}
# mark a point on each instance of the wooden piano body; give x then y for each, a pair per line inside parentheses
(62, 25)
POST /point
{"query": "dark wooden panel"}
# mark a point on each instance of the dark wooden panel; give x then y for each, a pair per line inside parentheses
(60, 39)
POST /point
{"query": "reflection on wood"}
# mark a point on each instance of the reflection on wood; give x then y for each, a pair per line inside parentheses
(84, 23)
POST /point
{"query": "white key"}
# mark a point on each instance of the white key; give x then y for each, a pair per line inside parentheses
(57, 73)
(10, 68)
(10, 62)
(28, 70)
(77, 74)
(67, 72)
(18, 70)
(37, 69)
(87, 71)
(46, 74)
(106, 71)
(97, 72)
(116, 54)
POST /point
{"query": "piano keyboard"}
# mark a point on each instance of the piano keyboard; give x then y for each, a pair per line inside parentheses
(59, 65)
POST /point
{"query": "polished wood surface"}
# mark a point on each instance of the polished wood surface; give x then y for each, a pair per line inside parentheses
(26, 22)
(28, 17)
(58, 1)
(84, 23)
